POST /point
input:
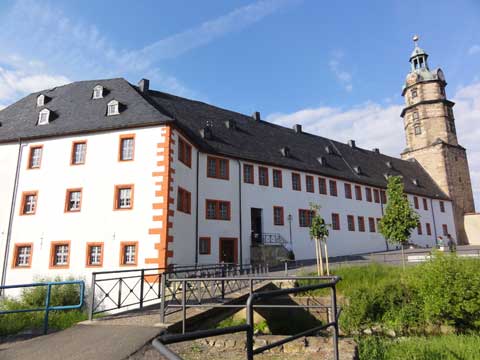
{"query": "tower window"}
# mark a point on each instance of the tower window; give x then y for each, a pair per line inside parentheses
(41, 100)
(417, 129)
(97, 92)
(112, 108)
(43, 117)
(415, 116)
(414, 93)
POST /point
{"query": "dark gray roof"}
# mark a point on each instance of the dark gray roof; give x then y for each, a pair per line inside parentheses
(258, 141)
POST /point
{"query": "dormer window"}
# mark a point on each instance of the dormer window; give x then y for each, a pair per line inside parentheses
(112, 108)
(40, 100)
(97, 92)
(43, 117)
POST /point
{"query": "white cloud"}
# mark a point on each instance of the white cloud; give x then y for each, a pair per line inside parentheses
(474, 49)
(336, 67)
(376, 125)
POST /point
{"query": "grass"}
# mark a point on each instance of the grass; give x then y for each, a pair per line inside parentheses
(447, 347)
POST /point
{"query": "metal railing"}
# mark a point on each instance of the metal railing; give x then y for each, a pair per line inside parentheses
(134, 288)
(252, 302)
(47, 308)
(267, 239)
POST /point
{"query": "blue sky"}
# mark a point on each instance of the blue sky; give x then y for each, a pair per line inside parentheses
(336, 67)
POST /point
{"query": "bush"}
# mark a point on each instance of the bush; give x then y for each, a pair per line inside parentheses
(61, 295)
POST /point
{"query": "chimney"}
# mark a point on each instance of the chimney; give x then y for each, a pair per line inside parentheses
(376, 150)
(143, 85)
(256, 116)
(297, 128)
(351, 143)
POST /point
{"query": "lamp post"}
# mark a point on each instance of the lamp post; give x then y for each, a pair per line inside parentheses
(289, 218)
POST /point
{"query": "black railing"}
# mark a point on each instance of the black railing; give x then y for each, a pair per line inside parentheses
(325, 282)
(267, 239)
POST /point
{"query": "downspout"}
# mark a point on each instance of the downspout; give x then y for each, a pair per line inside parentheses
(196, 211)
(434, 225)
(12, 212)
(240, 210)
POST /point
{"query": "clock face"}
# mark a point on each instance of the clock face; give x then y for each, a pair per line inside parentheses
(440, 75)
(412, 78)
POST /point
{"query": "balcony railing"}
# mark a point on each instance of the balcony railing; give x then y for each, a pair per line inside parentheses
(267, 239)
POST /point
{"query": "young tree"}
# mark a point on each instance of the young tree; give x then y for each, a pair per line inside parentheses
(319, 234)
(399, 219)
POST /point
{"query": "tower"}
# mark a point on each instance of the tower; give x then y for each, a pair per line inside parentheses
(431, 136)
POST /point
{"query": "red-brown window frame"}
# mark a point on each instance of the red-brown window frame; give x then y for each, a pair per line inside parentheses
(252, 176)
(282, 220)
(30, 154)
(263, 169)
(24, 198)
(368, 194)
(376, 196)
(361, 223)
(123, 245)
(217, 209)
(54, 244)
(15, 255)
(209, 245)
(445, 229)
(120, 142)
(442, 206)
(419, 228)
(348, 190)
(116, 205)
(87, 259)
(184, 200)
(415, 202)
(352, 218)
(280, 175)
(336, 221)
(309, 216)
(72, 154)
(425, 204)
(184, 152)
(383, 196)
(309, 180)
(332, 184)
(67, 199)
(322, 186)
(358, 193)
(299, 182)
(372, 226)
(217, 168)
(428, 228)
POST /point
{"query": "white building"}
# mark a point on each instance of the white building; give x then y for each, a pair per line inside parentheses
(104, 175)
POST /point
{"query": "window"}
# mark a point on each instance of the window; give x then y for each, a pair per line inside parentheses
(335, 221)
(442, 206)
(184, 152)
(415, 116)
(277, 178)
(97, 92)
(414, 93)
(417, 129)
(35, 157)
(445, 229)
(29, 203)
(429, 229)
(217, 210)
(348, 191)
(296, 182)
(425, 204)
(73, 200)
(309, 183)
(248, 174)
(184, 200)
(94, 254)
(40, 100)
(361, 224)
(60, 254)
(351, 222)
(127, 147)
(378, 224)
(415, 202)
(278, 215)
(322, 186)
(22, 257)
(43, 117)
(333, 187)
(217, 168)
(79, 152)
(305, 217)
(263, 176)
(358, 192)
(204, 246)
(128, 253)
(123, 197)
(368, 194)
(419, 228)
(371, 224)
(376, 196)
(112, 108)
(383, 196)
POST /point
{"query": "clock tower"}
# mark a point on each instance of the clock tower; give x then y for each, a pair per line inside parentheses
(431, 136)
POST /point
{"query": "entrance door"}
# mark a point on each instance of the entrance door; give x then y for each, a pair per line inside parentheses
(256, 221)
(228, 250)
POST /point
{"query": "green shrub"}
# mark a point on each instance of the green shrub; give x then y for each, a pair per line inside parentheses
(61, 295)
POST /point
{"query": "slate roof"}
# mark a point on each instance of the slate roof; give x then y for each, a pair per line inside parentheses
(251, 140)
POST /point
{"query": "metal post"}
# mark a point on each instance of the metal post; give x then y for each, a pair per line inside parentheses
(119, 293)
(335, 323)
(251, 286)
(92, 298)
(47, 309)
(162, 301)
(249, 306)
(142, 280)
(286, 268)
(223, 283)
(184, 305)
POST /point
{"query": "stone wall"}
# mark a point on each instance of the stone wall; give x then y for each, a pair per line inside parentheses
(268, 254)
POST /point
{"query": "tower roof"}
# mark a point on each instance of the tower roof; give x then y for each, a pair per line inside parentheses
(417, 51)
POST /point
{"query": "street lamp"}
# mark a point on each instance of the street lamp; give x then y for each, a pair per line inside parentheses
(289, 218)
